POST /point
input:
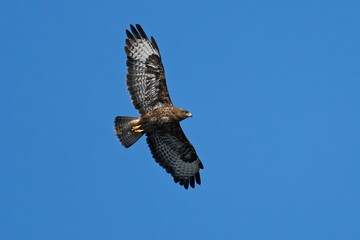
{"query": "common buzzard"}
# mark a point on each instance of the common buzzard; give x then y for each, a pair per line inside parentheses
(159, 119)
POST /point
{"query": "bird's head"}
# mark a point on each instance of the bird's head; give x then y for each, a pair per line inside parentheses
(182, 114)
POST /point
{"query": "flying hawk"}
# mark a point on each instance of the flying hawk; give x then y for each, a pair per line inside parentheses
(159, 120)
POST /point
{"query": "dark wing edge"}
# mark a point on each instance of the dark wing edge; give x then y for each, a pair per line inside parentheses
(146, 75)
(173, 151)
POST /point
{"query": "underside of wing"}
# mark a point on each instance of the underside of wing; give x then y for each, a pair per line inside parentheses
(146, 77)
(173, 151)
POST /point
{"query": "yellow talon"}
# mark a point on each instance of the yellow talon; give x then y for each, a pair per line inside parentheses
(136, 129)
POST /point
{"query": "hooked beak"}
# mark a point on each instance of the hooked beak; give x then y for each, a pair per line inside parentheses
(189, 115)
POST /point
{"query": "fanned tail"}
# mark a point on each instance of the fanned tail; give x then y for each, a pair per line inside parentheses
(123, 126)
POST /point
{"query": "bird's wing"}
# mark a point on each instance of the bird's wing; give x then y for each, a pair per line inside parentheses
(146, 76)
(173, 151)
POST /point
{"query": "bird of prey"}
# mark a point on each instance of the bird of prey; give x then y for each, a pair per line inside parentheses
(159, 120)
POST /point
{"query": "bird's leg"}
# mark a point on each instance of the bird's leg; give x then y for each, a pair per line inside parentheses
(137, 129)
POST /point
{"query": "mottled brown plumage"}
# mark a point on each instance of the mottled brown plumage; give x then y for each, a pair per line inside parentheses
(159, 119)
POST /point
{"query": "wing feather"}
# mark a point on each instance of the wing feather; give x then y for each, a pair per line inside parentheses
(146, 76)
(173, 151)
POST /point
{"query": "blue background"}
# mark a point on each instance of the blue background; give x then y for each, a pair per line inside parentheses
(274, 90)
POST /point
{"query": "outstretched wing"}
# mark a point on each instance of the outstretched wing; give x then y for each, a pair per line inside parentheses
(146, 76)
(173, 151)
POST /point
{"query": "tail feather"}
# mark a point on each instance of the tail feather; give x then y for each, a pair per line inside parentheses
(123, 126)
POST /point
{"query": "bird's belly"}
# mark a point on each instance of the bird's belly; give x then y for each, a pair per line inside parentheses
(161, 124)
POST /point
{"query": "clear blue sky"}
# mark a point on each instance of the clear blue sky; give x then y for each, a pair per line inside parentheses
(274, 87)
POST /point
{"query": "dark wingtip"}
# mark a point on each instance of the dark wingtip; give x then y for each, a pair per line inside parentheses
(129, 35)
(131, 27)
(192, 182)
(201, 165)
(154, 43)
(141, 31)
(186, 184)
(134, 31)
(197, 178)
